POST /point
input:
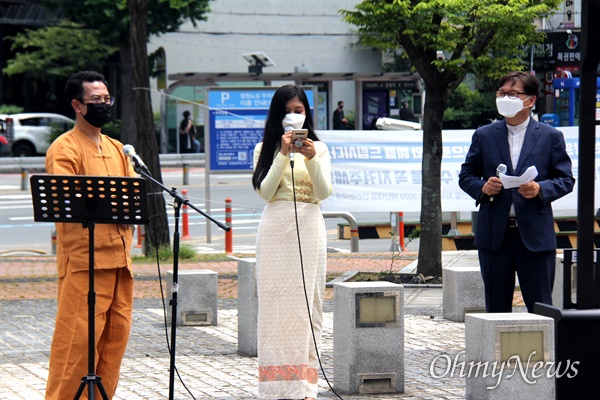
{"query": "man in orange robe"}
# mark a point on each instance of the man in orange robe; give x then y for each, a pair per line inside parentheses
(86, 151)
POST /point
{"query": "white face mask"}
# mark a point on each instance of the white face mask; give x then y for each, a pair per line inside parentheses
(293, 120)
(508, 108)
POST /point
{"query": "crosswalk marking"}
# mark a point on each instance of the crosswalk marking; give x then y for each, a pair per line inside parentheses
(5, 197)
(240, 216)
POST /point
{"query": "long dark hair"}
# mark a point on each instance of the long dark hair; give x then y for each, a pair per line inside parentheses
(274, 129)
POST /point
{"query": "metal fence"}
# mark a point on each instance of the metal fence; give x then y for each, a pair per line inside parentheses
(37, 164)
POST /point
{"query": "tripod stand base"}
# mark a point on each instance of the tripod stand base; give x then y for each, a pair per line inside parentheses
(91, 380)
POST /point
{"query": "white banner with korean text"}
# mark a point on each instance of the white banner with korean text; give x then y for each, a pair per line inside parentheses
(381, 170)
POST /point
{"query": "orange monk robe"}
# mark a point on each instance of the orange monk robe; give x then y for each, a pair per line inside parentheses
(73, 153)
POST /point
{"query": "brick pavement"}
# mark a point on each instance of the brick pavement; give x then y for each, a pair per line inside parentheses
(35, 277)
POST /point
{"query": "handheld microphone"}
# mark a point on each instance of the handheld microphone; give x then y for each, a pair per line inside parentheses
(290, 153)
(290, 122)
(135, 159)
(501, 169)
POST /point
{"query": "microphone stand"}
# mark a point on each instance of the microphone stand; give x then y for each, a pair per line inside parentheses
(179, 201)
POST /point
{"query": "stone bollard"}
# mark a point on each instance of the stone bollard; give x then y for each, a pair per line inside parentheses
(462, 292)
(196, 297)
(557, 289)
(509, 356)
(368, 337)
(247, 308)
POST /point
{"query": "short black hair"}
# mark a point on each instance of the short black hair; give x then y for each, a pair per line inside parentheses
(186, 114)
(74, 85)
(531, 85)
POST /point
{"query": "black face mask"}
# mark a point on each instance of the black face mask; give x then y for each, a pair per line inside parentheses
(97, 114)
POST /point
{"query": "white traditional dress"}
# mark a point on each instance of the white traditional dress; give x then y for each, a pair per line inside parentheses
(287, 360)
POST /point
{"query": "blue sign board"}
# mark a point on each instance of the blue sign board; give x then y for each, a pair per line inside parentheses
(236, 121)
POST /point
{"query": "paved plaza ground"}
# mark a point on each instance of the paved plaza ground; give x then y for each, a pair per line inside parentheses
(206, 357)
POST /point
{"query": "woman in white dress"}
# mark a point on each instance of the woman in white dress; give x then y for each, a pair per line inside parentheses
(291, 253)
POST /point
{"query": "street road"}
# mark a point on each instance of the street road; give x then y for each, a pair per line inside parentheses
(19, 232)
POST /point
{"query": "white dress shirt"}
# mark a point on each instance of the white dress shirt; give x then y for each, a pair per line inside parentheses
(516, 137)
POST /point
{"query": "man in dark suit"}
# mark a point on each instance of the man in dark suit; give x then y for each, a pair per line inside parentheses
(515, 227)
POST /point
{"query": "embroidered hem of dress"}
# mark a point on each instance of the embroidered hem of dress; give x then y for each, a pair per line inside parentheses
(288, 373)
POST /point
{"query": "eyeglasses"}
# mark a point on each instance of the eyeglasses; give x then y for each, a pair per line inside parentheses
(99, 100)
(511, 95)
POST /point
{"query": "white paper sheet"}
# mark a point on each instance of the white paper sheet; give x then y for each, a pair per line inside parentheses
(509, 182)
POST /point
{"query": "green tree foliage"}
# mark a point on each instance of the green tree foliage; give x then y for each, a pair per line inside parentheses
(128, 24)
(469, 108)
(112, 19)
(484, 37)
(10, 109)
(54, 52)
(125, 25)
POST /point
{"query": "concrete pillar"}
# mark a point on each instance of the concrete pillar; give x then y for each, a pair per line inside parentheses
(509, 356)
(196, 297)
(463, 292)
(368, 337)
(247, 308)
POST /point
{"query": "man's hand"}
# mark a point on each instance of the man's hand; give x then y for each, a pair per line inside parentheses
(529, 190)
(492, 186)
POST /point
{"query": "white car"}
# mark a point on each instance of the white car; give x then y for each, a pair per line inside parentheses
(31, 131)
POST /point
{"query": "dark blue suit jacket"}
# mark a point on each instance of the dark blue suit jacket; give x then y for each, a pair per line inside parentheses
(544, 147)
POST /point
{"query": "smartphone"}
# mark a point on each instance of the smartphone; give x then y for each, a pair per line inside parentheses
(299, 134)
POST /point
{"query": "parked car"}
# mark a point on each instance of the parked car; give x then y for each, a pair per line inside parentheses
(31, 131)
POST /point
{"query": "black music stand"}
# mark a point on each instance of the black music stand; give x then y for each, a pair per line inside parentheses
(89, 200)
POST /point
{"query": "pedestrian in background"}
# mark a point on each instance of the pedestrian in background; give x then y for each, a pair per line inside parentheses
(515, 227)
(84, 150)
(188, 141)
(340, 122)
(287, 357)
(406, 113)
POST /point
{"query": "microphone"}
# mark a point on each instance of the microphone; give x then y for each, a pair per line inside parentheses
(135, 159)
(290, 122)
(501, 169)
(290, 153)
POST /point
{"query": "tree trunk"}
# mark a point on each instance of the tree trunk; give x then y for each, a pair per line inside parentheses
(157, 232)
(128, 134)
(430, 244)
